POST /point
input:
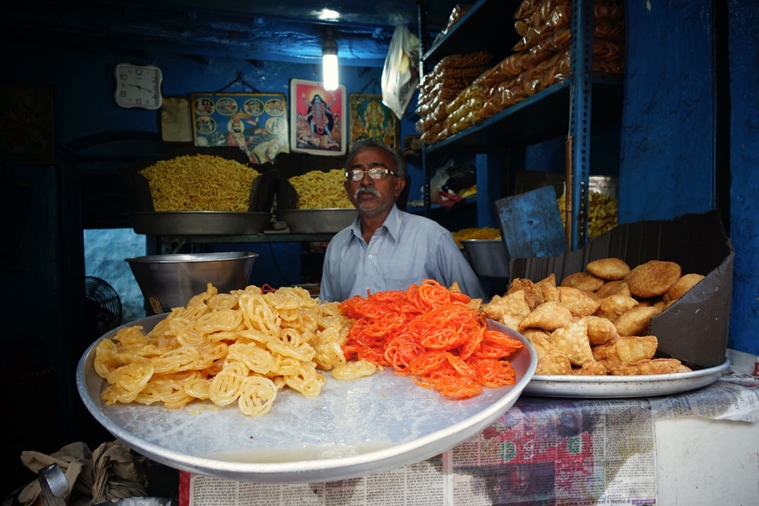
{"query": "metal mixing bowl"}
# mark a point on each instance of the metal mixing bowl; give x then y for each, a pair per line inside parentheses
(169, 281)
(488, 257)
(317, 221)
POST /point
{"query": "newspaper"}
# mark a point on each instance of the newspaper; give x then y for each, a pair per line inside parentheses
(542, 451)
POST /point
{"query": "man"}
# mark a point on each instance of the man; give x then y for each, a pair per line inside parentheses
(386, 248)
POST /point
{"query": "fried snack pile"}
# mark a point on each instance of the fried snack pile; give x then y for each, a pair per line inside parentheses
(243, 346)
(602, 213)
(321, 190)
(200, 183)
(432, 333)
(475, 233)
(595, 322)
(454, 99)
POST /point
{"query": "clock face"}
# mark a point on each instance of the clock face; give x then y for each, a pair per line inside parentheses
(138, 86)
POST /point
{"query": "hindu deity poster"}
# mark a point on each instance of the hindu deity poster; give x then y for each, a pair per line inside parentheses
(254, 122)
(317, 119)
(370, 118)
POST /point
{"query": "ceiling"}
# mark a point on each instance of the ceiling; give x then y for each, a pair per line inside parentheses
(278, 30)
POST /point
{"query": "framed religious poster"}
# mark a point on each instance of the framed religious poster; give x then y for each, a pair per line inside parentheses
(317, 119)
(370, 118)
(254, 122)
(27, 121)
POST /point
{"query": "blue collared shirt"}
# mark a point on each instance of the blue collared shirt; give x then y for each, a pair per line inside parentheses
(405, 250)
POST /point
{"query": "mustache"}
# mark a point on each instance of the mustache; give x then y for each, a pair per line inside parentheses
(366, 189)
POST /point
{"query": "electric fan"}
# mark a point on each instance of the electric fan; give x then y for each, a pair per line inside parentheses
(102, 307)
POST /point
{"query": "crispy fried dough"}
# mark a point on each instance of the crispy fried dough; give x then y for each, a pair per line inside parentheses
(616, 287)
(573, 340)
(652, 278)
(532, 294)
(645, 367)
(681, 286)
(551, 360)
(600, 330)
(583, 281)
(615, 305)
(548, 316)
(591, 368)
(608, 268)
(531, 332)
(625, 350)
(547, 287)
(635, 322)
(578, 302)
(510, 309)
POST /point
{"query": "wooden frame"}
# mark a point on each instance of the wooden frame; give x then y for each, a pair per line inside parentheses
(370, 118)
(254, 122)
(27, 118)
(317, 124)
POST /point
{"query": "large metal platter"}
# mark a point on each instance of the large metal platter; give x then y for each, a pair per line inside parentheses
(198, 222)
(612, 387)
(316, 221)
(351, 429)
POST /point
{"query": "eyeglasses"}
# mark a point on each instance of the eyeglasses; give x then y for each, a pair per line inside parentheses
(374, 173)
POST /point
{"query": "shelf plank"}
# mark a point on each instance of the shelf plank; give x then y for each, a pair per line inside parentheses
(487, 24)
(540, 117)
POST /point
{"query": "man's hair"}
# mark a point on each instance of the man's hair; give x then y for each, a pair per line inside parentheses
(400, 163)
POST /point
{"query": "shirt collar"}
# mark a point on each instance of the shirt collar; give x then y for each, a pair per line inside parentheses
(392, 223)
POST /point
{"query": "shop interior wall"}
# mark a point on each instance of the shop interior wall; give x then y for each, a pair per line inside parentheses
(669, 167)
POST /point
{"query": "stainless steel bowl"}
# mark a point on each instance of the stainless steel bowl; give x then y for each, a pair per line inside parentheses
(169, 281)
(198, 223)
(488, 257)
(317, 221)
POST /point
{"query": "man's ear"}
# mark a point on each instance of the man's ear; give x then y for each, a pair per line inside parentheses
(400, 184)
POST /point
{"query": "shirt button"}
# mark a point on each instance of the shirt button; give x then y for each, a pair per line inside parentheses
(370, 256)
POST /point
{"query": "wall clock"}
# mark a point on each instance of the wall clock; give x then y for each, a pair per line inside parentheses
(138, 86)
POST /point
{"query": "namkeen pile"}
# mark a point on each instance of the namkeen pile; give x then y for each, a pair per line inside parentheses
(432, 333)
(602, 213)
(486, 233)
(200, 183)
(595, 322)
(321, 190)
(243, 347)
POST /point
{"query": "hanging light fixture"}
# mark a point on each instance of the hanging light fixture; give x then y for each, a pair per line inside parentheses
(329, 61)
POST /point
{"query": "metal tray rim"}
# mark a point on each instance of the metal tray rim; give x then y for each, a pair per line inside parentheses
(322, 469)
(623, 386)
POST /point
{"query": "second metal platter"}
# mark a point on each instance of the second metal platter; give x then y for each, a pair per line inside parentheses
(611, 387)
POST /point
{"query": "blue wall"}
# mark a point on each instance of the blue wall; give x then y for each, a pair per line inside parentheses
(744, 170)
(669, 165)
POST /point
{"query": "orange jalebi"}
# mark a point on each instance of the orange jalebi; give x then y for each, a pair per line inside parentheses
(430, 333)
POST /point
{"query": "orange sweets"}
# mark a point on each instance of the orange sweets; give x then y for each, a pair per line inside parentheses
(430, 333)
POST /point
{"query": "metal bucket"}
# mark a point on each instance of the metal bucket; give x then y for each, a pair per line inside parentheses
(488, 257)
(169, 281)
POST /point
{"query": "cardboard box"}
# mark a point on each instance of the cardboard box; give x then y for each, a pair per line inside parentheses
(695, 328)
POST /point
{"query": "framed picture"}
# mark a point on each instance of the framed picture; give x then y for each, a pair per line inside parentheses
(26, 116)
(176, 120)
(254, 122)
(317, 119)
(370, 118)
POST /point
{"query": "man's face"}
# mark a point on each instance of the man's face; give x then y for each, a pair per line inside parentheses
(373, 197)
(237, 126)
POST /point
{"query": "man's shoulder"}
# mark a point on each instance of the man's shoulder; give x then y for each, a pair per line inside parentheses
(422, 223)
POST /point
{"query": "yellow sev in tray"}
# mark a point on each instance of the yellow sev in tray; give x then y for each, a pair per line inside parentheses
(200, 183)
(321, 190)
(476, 233)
